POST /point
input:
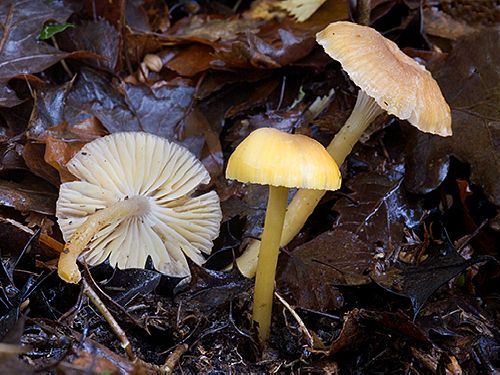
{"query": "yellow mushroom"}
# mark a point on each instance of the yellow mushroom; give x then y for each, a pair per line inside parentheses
(281, 160)
(389, 81)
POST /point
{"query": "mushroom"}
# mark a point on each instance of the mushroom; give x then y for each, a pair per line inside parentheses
(134, 200)
(389, 81)
(301, 10)
(281, 160)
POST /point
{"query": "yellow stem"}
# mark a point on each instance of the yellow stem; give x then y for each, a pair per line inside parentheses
(67, 268)
(305, 200)
(268, 259)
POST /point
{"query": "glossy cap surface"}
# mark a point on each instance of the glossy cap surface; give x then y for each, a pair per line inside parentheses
(271, 157)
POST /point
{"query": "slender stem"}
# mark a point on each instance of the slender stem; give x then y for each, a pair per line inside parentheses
(67, 267)
(268, 260)
(305, 200)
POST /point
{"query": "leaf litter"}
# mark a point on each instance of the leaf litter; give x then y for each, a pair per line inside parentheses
(396, 272)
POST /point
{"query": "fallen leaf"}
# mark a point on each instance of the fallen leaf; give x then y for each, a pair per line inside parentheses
(210, 290)
(159, 109)
(124, 285)
(190, 60)
(470, 81)
(147, 16)
(378, 210)
(419, 282)
(33, 155)
(28, 196)
(438, 23)
(62, 143)
(99, 37)
(94, 94)
(22, 21)
(20, 50)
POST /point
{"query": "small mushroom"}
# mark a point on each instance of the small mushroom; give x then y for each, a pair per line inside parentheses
(301, 10)
(134, 200)
(389, 81)
(281, 160)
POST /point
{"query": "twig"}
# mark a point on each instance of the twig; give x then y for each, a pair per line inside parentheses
(171, 362)
(115, 327)
(296, 316)
(465, 240)
(63, 63)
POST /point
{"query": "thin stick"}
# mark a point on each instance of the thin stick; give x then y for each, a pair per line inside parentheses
(115, 327)
(303, 328)
(173, 359)
(63, 63)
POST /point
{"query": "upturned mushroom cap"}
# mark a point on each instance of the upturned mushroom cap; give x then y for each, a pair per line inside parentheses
(271, 157)
(173, 225)
(301, 10)
(398, 83)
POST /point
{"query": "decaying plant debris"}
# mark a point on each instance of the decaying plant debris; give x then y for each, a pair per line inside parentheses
(396, 272)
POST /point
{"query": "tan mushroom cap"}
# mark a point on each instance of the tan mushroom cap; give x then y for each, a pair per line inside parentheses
(398, 83)
(271, 157)
(174, 225)
(301, 10)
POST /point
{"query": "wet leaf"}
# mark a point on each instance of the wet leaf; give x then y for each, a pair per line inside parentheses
(126, 284)
(33, 196)
(378, 210)
(94, 94)
(331, 259)
(212, 289)
(62, 143)
(20, 50)
(370, 226)
(97, 36)
(159, 109)
(419, 282)
(147, 16)
(470, 81)
(33, 155)
(191, 60)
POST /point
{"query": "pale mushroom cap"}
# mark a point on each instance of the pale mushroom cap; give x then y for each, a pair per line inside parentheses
(271, 157)
(301, 10)
(398, 83)
(125, 165)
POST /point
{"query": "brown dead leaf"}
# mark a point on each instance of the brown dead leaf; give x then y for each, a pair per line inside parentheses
(438, 23)
(190, 60)
(62, 143)
(378, 210)
(196, 124)
(33, 155)
(470, 81)
(314, 269)
(33, 195)
(147, 16)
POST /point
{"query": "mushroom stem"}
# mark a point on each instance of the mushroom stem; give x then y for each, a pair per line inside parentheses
(305, 200)
(268, 260)
(67, 268)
